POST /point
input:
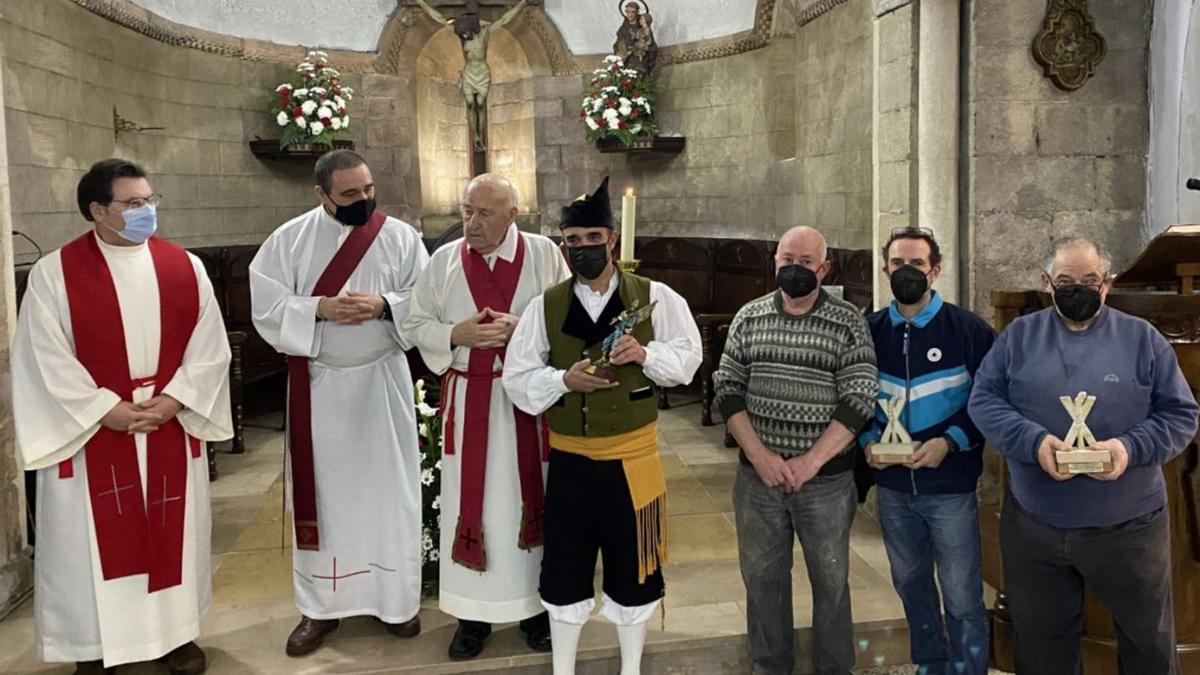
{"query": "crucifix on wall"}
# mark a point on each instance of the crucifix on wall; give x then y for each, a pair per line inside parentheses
(476, 78)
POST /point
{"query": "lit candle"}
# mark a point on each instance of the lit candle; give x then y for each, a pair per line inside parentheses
(628, 215)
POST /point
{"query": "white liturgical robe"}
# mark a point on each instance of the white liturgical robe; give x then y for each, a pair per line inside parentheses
(366, 462)
(57, 408)
(507, 590)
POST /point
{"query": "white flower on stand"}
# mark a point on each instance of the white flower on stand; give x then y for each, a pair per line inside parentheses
(614, 123)
(437, 503)
(422, 428)
(591, 123)
(345, 121)
(426, 410)
(426, 477)
(301, 122)
(282, 118)
(300, 93)
(316, 128)
(308, 106)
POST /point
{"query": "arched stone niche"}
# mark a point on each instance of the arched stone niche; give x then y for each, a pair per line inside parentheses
(442, 125)
(428, 57)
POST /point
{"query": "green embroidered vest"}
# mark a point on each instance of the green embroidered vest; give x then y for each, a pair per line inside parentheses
(573, 336)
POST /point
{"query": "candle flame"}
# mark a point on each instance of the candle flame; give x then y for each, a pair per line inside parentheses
(628, 192)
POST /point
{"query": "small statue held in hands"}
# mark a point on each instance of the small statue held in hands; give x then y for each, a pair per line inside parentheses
(635, 39)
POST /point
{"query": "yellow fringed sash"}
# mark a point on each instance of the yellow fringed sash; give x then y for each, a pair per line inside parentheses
(638, 452)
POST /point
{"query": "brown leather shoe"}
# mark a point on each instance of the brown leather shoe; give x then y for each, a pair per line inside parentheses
(410, 628)
(308, 635)
(93, 668)
(186, 660)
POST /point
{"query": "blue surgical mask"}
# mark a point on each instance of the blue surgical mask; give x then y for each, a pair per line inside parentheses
(140, 223)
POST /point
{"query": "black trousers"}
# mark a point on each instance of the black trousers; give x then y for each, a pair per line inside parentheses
(1128, 566)
(589, 511)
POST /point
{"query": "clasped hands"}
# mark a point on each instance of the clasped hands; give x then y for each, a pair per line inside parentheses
(626, 350)
(142, 418)
(351, 309)
(473, 332)
(775, 471)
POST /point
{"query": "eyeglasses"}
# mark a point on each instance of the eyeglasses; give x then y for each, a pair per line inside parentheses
(138, 202)
(1064, 283)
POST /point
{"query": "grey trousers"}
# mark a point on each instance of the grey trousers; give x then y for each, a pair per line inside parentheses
(1128, 566)
(820, 514)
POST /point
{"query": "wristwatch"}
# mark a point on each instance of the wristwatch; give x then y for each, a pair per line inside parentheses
(386, 315)
(951, 443)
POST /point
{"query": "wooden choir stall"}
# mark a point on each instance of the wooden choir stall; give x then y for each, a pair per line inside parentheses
(1161, 287)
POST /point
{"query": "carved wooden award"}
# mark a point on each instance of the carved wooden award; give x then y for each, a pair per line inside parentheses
(1082, 458)
(895, 446)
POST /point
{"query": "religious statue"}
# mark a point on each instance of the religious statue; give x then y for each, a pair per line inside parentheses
(476, 77)
(635, 40)
(623, 324)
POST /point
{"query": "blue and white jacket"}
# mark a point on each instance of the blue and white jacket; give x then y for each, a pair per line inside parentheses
(930, 361)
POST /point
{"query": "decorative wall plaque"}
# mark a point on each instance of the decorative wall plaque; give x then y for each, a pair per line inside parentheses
(1068, 46)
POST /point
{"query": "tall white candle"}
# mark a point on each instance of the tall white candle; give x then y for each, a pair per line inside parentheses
(628, 216)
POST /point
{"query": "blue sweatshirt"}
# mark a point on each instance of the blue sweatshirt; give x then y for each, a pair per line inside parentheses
(1142, 399)
(930, 361)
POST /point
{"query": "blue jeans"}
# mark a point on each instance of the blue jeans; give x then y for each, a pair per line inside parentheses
(920, 531)
(768, 520)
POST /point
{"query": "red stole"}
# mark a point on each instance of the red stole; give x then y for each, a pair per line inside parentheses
(300, 443)
(133, 537)
(492, 288)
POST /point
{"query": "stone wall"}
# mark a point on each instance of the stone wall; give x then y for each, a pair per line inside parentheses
(15, 564)
(1043, 162)
(776, 137)
(65, 71)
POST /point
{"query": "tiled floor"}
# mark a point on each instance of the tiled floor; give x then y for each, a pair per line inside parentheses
(252, 586)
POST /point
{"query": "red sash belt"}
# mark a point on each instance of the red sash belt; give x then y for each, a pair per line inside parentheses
(300, 442)
(491, 288)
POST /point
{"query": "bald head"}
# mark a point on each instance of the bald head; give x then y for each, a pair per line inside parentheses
(489, 207)
(802, 242)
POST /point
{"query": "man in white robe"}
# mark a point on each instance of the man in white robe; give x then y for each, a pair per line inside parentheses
(330, 289)
(460, 330)
(85, 413)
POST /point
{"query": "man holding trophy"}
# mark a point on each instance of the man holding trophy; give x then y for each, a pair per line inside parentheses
(606, 492)
(927, 351)
(1085, 375)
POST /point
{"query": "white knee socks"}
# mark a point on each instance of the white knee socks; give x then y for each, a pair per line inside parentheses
(564, 640)
(632, 639)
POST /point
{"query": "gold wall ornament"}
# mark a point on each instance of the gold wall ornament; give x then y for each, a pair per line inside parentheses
(1068, 46)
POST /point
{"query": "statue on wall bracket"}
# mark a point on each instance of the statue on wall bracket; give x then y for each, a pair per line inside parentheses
(1068, 46)
(635, 39)
(476, 78)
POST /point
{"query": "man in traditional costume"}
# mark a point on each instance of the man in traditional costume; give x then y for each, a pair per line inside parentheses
(606, 491)
(464, 311)
(330, 289)
(120, 376)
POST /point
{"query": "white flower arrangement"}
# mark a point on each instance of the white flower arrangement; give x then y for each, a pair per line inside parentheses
(617, 103)
(313, 109)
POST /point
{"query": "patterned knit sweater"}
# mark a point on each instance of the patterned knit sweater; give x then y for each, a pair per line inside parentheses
(794, 374)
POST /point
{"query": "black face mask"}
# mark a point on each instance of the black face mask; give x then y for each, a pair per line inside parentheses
(909, 285)
(355, 213)
(588, 262)
(795, 280)
(1076, 302)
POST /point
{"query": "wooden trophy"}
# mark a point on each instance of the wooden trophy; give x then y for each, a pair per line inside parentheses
(895, 446)
(1081, 458)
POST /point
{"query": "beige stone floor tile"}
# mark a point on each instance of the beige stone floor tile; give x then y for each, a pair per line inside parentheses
(701, 583)
(700, 537)
(253, 576)
(688, 496)
(673, 467)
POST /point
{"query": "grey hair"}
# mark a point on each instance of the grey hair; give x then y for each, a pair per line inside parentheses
(496, 180)
(1076, 240)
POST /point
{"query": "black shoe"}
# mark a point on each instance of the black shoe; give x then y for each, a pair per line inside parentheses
(536, 631)
(467, 642)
